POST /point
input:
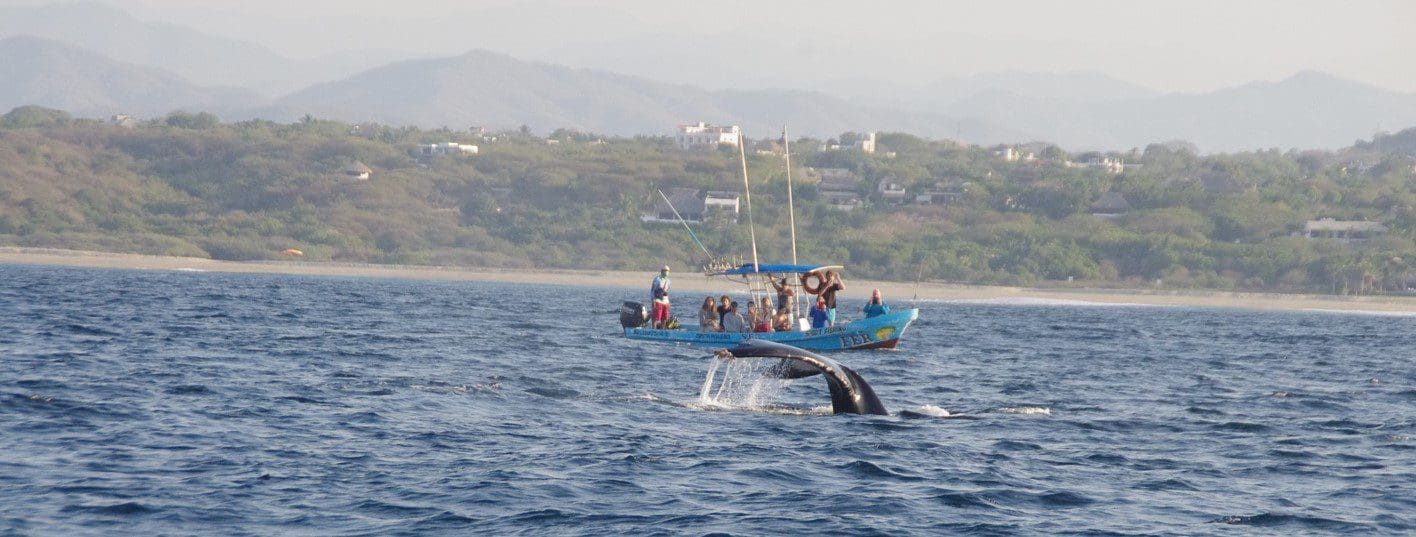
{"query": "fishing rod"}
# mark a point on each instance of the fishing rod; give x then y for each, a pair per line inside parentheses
(685, 225)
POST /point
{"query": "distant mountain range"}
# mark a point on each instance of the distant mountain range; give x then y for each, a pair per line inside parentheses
(489, 89)
(200, 58)
(52, 74)
(95, 60)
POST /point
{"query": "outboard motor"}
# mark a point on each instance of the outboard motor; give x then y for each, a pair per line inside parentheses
(633, 315)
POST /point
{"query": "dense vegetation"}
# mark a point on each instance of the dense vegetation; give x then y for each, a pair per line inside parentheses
(190, 185)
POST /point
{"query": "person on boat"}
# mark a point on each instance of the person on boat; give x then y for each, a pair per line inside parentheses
(876, 307)
(660, 312)
(660, 286)
(659, 293)
(784, 292)
(763, 323)
(723, 305)
(708, 317)
(818, 314)
(733, 321)
(828, 292)
(782, 321)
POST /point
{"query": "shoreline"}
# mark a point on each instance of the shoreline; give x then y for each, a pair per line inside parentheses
(695, 283)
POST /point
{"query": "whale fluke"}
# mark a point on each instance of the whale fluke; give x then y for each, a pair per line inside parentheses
(850, 393)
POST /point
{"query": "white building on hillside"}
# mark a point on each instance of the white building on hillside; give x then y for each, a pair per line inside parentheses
(866, 144)
(705, 136)
(1013, 154)
(722, 200)
(1343, 230)
(446, 149)
(1109, 164)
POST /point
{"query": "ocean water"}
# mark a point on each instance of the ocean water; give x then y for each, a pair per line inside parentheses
(181, 403)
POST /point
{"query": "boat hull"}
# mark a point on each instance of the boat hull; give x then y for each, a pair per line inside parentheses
(881, 332)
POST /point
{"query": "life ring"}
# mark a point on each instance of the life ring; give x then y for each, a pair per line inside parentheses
(813, 289)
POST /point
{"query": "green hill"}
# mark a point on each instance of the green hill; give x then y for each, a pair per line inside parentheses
(190, 185)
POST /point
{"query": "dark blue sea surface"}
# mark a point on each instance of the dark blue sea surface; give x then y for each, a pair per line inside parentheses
(179, 403)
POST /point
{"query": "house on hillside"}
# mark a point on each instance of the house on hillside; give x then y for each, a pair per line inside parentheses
(1107, 164)
(445, 149)
(834, 178)
(1348, 231)
(892, 193)
(838, 186)
(865, 143)
(686, 201)
(1111, 205)
(705, 136)
(123, 120)
(358, 171)
(1013, 154)
(942, 193)
(724, 201)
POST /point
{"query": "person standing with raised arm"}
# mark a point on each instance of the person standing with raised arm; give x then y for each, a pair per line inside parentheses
(784, 293)
(829, 289)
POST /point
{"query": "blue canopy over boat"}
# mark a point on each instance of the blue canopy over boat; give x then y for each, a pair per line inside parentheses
(774, 268)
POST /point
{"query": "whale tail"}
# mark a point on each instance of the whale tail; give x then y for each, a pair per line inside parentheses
(850, 393)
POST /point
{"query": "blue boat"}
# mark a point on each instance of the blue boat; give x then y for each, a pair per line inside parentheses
(879, 332)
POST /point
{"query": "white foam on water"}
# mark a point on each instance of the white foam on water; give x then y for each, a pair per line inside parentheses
(933, 411)
(1026, 410)
(186, 269)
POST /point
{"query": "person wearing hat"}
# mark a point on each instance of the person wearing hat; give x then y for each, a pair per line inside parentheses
(659, 292)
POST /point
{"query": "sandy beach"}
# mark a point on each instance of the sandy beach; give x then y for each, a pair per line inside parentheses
(692, 283)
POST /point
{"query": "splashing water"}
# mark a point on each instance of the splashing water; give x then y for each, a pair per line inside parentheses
(745, 384)
(934, 411)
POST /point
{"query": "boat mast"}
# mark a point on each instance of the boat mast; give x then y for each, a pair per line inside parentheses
(791, 209)
(791, 217)
(742, 155)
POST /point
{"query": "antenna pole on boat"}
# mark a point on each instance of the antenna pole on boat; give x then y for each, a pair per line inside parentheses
(791, 209)
(685, 225)
(742, 155)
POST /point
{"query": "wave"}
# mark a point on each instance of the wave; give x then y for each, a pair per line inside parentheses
(117, 509)
(1025, 410)
(1272, 520)
(86, 330)
(870, 470)
(1037, 301)
(1370, 313)
(766, 409)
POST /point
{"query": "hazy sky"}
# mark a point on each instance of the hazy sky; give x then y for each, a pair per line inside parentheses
(1175, 45)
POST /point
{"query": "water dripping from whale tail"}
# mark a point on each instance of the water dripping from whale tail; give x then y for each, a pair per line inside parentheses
(850, 393)
(740, 384)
